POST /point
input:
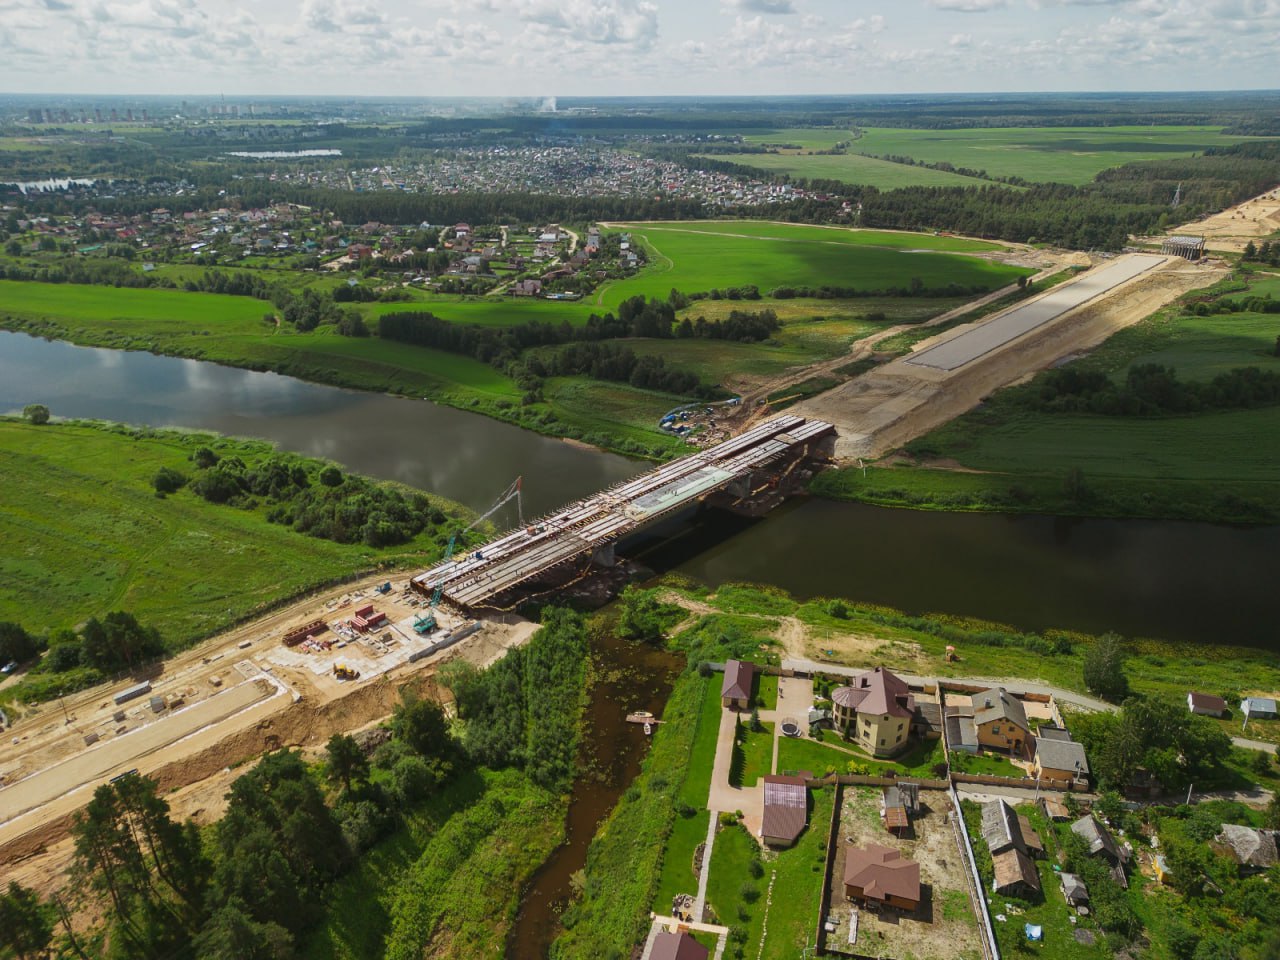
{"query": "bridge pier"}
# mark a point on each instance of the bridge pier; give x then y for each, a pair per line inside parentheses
(604, 556)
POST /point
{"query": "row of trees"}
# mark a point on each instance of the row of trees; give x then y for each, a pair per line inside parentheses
(116, 642)
(1148, 390)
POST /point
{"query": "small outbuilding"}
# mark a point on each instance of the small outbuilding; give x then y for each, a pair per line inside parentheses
(1015, 874)
(677, 946)
(1258, 708)
(1254, 850)
(735, 691)
(900, 803)
(786, 810)
(1074, 890)
(1206, 704)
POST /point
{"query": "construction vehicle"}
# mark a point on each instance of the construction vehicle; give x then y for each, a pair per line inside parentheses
(427, 622)
(343, 672)
(385, 588)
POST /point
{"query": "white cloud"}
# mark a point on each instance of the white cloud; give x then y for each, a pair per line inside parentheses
(969, 6)
(632, 22)
(761, 6)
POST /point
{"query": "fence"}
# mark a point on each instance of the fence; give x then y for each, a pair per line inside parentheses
(987, 935)
(828, 870)
(1025, 783)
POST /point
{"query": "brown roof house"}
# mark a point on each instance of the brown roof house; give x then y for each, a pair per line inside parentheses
(1206, 704)
(1001, 721)
(786, 810)
(1013, 843)
(880, 876)
(735, 691)
(1060, 760)
(875, 711)
(677, 946)
(1015, 875)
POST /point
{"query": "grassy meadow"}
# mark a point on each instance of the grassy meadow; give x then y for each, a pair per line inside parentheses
(851, 168)
(1216, 465)
(1050, 154)
(88, 535)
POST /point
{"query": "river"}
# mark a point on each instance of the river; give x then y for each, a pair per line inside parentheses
(1195, 582)
(1184, 581)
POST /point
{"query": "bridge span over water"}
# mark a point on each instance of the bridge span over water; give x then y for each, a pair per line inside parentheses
(750, 473)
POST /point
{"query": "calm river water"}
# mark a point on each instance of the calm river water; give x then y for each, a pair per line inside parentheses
(1183, 581)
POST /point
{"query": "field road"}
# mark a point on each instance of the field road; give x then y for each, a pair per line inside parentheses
(122, 753)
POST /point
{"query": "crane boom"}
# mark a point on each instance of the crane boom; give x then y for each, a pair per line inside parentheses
(511, 493)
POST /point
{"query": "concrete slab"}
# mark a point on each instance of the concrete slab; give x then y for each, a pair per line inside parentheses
(1008, 326)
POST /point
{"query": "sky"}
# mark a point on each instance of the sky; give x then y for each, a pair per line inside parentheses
(634, 47)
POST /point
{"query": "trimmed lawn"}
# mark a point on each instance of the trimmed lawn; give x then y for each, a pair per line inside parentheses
(752, 755)
(765, 694)
(731, 877)
(986, 763)
(677, 859)
(835, 756)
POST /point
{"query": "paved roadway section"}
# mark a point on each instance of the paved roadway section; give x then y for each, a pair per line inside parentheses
(1014, 323)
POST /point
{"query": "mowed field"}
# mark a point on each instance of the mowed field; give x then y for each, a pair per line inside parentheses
(1048, 154)
(851, 168)
(86, 534)
(704, 256)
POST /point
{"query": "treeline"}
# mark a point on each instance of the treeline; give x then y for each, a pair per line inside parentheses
(330, 505)
(258, 883)
(1148, 390)
(79, 658)
(1268, 253)
(915, 288)
(581, 350)
(1132, 199)
(524, 710)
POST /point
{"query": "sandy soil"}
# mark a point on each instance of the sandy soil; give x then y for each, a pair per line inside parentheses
(899, 401)
(243, 693)
(945, 925)
(1231, 229)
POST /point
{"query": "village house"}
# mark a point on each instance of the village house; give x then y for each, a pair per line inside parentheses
(735, 690)
(1206, 704)
(1013, 844)
(1001, 722)
(875, 711)
(526, 288)
(1059, 760)
(1074, 890)
(880, 876)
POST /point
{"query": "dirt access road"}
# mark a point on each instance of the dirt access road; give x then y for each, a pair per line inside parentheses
(1231, 229)
(901, 400)
(242, 693)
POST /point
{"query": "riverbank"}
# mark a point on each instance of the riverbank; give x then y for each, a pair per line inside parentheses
(1172, 418)
(98, 535)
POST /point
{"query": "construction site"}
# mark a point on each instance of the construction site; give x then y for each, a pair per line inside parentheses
(336, 661)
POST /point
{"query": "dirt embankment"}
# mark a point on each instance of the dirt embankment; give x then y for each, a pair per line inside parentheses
(899, 401)
(1234, 227)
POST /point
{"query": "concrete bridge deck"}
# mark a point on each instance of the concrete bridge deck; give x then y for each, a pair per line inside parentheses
(588, 525)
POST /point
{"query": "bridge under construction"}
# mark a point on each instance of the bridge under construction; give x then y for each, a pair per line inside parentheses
(750, 474)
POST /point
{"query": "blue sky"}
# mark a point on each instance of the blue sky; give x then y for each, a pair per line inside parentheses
(635, 47)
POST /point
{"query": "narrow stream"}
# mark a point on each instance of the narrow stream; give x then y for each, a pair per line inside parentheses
(629, 677)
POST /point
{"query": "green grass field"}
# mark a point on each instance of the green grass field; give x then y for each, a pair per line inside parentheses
(851, 168)
(1058, 154)
(709, 256)
(87, 535)
(806, 138)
